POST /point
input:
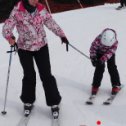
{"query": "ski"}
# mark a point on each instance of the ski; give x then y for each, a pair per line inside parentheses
(24, 121)
(120, 8)
(90, 100)
(25, 118)
(55, 122)
(111, 98)
(55, 116)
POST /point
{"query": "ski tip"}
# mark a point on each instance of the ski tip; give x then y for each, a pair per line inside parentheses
(106, 103)
(88, 103)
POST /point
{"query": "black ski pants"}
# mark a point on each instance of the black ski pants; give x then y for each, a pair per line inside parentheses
(112, 69)
(42, 60)
(123, 2)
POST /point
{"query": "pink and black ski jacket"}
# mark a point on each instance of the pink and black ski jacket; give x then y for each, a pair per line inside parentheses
(30, 27)
(105, 51)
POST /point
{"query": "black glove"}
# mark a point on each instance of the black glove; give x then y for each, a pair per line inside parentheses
(94, 61)
(64, 40)
(100, 62)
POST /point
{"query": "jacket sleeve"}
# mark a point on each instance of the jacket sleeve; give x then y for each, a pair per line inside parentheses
(50, 23)
(9, 25)
(110, 52)
(94, 47)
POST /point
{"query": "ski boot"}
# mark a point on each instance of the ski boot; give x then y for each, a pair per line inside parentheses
(94, 90)
(55, 111)
(115, 90)
(27, 109)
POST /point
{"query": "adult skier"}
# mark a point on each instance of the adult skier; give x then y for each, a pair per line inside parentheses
(29, 17)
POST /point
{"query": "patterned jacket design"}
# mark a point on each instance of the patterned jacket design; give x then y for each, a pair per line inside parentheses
(30, 27)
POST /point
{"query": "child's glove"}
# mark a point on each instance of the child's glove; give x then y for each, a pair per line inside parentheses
(100, 62)
(102, 59)
(94, 61)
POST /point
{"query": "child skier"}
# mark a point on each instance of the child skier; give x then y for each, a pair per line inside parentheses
(103, 50)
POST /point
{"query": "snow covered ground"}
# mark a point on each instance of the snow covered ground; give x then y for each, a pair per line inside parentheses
(73, 72)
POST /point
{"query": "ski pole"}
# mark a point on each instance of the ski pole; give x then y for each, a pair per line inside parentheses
(47, 3)
(80, 3)
(8, 75)
(79, 51)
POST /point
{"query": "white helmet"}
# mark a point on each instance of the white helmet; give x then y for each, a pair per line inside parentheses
(108, 37)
